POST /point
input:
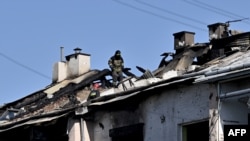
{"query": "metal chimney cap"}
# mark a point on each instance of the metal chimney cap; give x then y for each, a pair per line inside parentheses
(77, 50)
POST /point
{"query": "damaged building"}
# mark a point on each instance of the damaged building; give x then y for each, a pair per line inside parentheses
(196, 90)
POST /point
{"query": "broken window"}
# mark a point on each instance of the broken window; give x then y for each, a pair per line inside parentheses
(50, 131)
(38, 134)
(127, 133)
(196, 131)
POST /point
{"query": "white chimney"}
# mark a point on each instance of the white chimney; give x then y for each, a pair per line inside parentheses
(59, 72)
(76, 64)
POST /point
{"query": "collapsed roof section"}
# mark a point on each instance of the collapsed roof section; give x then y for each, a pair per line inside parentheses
(72, 79)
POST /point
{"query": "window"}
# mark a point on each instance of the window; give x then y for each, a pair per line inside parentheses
(196, 131)
(127, 133)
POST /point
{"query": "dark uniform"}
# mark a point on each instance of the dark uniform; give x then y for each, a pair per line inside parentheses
(116, 65)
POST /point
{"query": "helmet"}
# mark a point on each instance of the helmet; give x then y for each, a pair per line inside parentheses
(95, 85)
(118, 52)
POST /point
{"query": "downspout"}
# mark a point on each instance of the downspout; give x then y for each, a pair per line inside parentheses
(219, 108)
(82, 129)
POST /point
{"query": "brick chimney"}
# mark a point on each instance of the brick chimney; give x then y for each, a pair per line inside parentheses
(217, 30)
(75, 65)
(183, 39)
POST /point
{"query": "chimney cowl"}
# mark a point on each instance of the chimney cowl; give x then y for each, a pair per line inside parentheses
(77, 52)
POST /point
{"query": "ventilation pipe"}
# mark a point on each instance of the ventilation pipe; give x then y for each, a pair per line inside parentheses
(61, 54)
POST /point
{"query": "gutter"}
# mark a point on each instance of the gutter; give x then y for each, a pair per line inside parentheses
(234, 94)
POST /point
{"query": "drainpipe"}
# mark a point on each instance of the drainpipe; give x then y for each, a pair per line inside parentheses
(82, 129)
(219, 112)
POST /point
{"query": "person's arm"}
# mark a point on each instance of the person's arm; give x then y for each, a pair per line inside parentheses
(110, 63)
(122, 63)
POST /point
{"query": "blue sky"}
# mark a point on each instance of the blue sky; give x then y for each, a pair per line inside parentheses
(32, 32)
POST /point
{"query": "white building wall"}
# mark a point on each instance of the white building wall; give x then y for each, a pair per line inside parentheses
(106, 120)
(178, 106)
(101, 126)
(162, 114)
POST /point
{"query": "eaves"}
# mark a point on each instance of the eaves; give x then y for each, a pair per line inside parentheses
(32, 121)
(35, 119)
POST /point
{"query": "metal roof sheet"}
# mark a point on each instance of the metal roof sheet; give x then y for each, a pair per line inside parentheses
(64, 83)
(235, 63)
